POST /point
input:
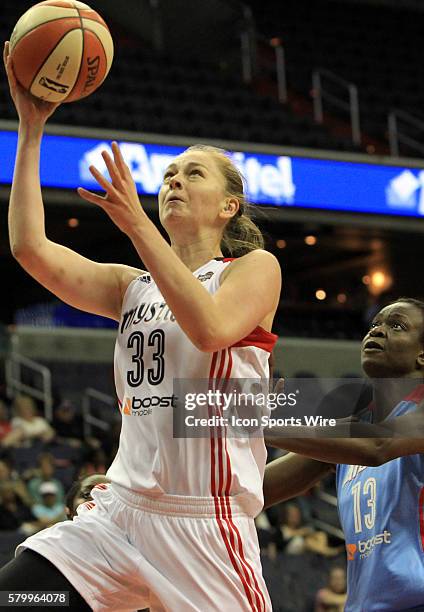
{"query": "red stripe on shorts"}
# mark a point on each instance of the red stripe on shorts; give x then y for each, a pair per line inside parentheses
(246, 565)
(219, 431)
(211, 430)
(214, 493)
(225, 524)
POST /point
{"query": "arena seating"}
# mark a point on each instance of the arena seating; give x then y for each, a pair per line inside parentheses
(147, 93)
(311, 322)
(300, 320)
(293, 580)
(161, 95)
(374, 46)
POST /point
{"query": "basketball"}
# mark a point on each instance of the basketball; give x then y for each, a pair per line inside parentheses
(61, 50)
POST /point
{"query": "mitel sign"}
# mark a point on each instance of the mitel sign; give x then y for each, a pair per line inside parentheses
(276, 180)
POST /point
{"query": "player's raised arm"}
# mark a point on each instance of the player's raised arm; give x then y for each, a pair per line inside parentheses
(90, 286)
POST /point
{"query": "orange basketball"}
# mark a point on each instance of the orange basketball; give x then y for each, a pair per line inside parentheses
(61, 50)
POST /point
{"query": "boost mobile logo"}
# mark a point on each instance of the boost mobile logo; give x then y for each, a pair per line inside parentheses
(351, 550)
(126, 407)
(366, 547)
(136, 406)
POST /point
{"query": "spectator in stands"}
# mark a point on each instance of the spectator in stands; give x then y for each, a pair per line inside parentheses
(292, 533)
(27, 426)
(14, 513)
(50, 510)
(68, 424)
(80, 492)
(45, 473)
(9, 479)
(296, 538)
(95, 463)
(5, 425)
(332, 598)
(110, 441)
(265, 533)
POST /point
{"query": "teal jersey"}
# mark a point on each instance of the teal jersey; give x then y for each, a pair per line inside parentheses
(381, 512)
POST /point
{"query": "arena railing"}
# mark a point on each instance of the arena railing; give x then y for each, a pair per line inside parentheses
(330, 529)
(321, 93)
(398, 136)
(14, 366)
(329, 500)
(77, 345)
(89, 419)
(254, 48)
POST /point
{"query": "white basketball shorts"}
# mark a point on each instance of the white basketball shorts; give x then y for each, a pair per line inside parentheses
(124, 552)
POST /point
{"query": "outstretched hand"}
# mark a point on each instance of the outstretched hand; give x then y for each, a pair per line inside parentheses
(31, 110)
(341, 425)
(121, 200)
(279, 386)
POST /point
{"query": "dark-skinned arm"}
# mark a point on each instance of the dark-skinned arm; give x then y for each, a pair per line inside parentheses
(407, 438)
(291, 475)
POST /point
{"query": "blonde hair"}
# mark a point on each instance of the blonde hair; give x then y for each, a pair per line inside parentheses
(241, 235)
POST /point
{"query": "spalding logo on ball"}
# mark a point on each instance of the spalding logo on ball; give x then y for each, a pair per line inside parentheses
(61, 50)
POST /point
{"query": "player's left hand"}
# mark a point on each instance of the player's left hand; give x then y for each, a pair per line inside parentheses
(121, 201)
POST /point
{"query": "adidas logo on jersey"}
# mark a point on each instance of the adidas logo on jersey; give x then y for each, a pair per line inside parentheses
(146, 278)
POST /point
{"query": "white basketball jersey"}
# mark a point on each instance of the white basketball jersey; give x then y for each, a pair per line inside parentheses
(151, 351)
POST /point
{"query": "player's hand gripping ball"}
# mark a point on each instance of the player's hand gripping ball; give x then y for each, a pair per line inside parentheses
(61, 50)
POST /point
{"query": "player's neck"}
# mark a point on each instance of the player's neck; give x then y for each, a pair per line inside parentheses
(388, 392)
(196, 253)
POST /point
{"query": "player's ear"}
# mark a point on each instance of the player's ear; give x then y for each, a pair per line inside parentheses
(420, 360)
(231, 207)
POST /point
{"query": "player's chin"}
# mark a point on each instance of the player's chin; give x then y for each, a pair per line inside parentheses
(172, 216)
